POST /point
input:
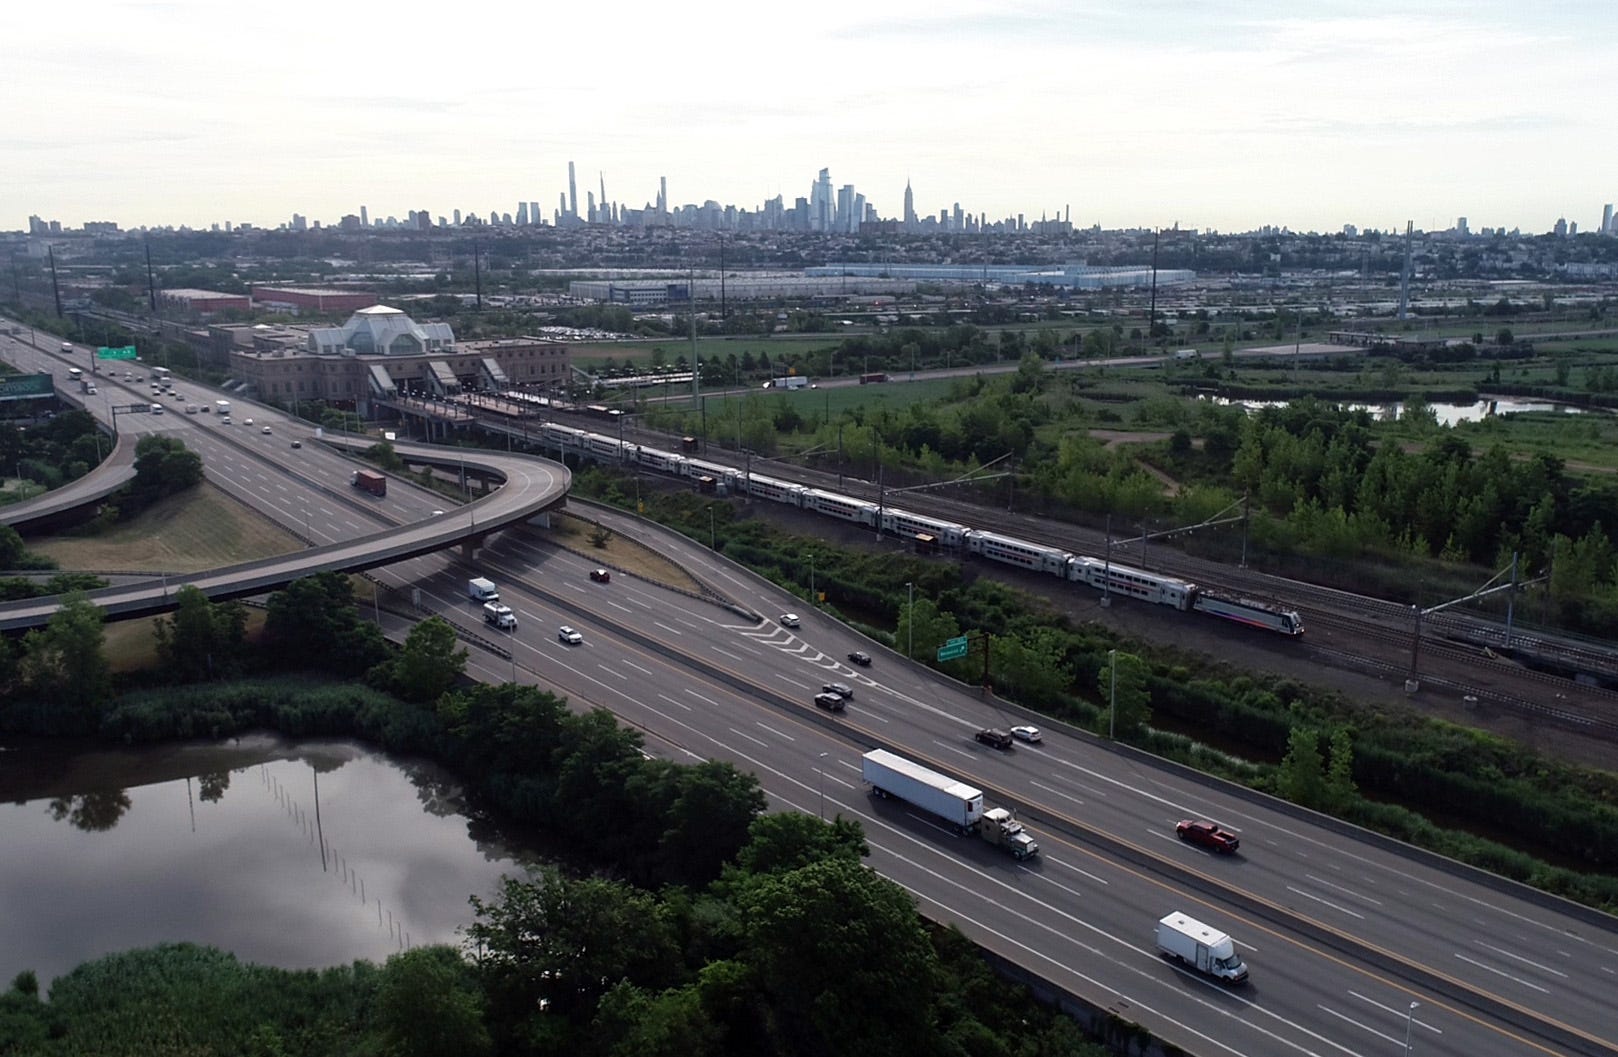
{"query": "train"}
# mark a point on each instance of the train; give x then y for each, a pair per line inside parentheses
(932, 534)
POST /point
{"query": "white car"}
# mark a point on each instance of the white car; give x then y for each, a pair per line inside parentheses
(1025, 733)
(266, 429)
(569, 636)
(789, 620)
(247, 422)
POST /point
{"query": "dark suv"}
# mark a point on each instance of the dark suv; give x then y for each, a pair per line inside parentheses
(1000, 739)
(830, 702)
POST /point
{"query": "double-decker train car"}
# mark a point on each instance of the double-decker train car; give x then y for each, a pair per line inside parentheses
(1248, 611)
(661, 461)
(903, 523)
(607, 449)
(840, 506)
(761, 487)
(1133, 583)
(1021, 553)
(565, 437)
(726, 479)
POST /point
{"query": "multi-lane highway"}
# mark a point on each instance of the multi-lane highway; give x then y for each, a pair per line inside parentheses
(1342, 934)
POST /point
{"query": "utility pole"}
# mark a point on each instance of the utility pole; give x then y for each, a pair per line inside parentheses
(910, 623)
(1112, 696)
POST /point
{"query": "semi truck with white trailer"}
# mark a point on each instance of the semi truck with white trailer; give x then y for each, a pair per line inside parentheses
(948, 799)
(1200, 946)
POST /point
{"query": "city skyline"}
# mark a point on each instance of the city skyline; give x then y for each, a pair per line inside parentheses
(1223, 117)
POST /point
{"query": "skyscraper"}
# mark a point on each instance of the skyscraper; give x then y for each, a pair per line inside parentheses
(533, 213)
(822, 210)
(365, 219)
(910, 207)
(572, 205)
(1606, 220)
(662, 194)
(522, 214)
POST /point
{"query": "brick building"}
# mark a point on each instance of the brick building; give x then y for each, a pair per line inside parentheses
(381, 353)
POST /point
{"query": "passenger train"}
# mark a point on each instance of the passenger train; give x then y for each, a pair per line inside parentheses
(1106, 576)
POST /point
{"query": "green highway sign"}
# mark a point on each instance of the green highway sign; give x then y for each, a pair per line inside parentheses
(952, 650)
(116, 352)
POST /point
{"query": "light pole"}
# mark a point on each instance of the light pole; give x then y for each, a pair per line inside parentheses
(711, 537)
(820, 769)
(1112, 694)
(910, 623)
(813, 598)
(1410, 1016)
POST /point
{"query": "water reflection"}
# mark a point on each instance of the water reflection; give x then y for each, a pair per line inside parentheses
(91, 811)
(291, 854)
(1447, 414)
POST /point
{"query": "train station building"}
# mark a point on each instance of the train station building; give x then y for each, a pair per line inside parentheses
(380, 355)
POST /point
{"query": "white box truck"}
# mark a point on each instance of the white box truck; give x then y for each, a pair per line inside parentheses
(499, 615)
(480, 590)
(1200, 946)
(939, 795)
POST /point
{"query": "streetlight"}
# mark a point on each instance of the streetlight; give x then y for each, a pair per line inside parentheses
(820, 769)
(711, 544)
(910, 623)
(813, 598)
(1410, 1016)
(1112, 694)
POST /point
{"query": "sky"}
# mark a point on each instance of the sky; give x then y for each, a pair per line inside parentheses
(1309, 114)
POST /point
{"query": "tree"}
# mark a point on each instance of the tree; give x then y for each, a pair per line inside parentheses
(164, 466)
(314, 622)
(843, 957)
(428, 1004)
(709, 821)
(1301, 777)
(1340, 788)
(560, 944)
(65, 660)
(788, 840)
(427, 665)
(1127, 701)
(201, 640)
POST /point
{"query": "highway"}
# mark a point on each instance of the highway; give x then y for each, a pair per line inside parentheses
(1341, 934)
(698, 677)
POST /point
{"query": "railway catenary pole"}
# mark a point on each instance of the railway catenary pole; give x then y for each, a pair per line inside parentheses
(1106, 569)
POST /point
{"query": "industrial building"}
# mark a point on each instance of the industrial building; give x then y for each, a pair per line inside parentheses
(307, 299)
(749, 287)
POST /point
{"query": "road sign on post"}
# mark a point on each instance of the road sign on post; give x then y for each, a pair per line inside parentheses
(953, 649)
(116, 352)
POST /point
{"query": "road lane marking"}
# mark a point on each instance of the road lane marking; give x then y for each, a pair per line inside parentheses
(1501, 972)
(665, 627)
(1055, 792)
(1327, 902)
(670, 700)
(1520, 958)
(749, 737)
(772, 730)
(1357, 1024)
(1397, 1012)
(1342, 889)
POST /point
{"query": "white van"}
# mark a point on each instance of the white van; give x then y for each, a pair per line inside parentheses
(479, 589)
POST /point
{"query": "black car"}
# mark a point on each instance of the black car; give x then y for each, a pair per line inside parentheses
(861, 658)
(842, 690)
(1000, 739)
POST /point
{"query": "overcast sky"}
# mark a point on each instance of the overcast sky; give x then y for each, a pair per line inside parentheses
(1227, 115)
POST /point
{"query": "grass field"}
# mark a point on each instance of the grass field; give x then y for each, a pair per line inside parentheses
(203, 529)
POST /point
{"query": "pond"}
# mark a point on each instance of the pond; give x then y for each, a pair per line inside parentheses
(1447, 414)
(292, 854)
